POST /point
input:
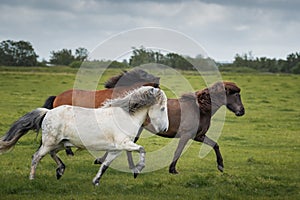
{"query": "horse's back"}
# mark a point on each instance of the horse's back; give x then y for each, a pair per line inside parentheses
(95, 129)
(83, 98)
(64, 98)
(91, 98)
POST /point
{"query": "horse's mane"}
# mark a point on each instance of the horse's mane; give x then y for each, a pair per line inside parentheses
(127, 78)
(134, 100)
(111, 83)
(219, 87)
(201, 99)
(204, 100)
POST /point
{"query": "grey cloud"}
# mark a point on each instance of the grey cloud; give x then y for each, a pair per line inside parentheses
(266, 27)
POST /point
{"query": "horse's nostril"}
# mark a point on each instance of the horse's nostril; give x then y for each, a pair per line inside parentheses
(241, 112)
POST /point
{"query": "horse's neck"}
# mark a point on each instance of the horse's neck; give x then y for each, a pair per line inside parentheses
(217, 103)
(140, 117)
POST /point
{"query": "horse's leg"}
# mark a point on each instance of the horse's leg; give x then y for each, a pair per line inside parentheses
(141, 164)
(110, 157)
(219, 158)
(138, 134)
(131, 146)
(39, 154)
(182, 142)
(61, 166)
(215, 146)
(69, 151)
(101, 160)
(129, 153)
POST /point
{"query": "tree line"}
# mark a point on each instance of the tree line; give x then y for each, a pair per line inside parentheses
(263, 64)
(21, 53)
(17, 53)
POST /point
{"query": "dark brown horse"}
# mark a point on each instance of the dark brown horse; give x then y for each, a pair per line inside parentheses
(194, 111)
(116, 87)
(190, 117)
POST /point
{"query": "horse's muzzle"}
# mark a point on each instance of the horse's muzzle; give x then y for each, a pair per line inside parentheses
(241, 112)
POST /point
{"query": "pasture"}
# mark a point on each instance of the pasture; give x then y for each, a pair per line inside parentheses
(261, 150)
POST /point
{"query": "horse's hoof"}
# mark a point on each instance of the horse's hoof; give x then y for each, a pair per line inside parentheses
(96, 182)
(98, 162)
(220, 168)
(69, 152)
(173, 171)
(58, 176)
(135, 174)
(59, 173)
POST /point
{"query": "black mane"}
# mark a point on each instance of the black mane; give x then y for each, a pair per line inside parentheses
(131, 77)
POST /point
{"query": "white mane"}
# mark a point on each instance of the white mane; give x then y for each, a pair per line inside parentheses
(135, 99)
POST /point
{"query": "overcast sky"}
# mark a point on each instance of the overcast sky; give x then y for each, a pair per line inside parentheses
(223, 28)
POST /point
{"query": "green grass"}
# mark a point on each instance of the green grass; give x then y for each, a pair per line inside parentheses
(261, 150)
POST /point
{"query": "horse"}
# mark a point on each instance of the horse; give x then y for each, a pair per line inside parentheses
(190, 117)
(116, 86)
(111, 127)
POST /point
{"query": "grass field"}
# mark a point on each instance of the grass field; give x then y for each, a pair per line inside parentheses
(261, 150)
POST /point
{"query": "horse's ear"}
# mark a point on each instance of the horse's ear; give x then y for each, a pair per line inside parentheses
(231, 88)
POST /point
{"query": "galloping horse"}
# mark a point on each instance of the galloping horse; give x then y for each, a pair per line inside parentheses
(194, 111)
(116, 87)
(112, 128)
(190, 117)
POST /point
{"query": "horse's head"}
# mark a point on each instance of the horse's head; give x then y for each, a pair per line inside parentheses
(222, 93)
(154, 100)
(158, 112)
(233, 98)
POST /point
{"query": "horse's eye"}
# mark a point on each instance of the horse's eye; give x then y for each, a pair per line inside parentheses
(162, 109)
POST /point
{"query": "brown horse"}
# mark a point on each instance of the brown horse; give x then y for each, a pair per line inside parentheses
(116, 87)
(194, 111)
(190, 117)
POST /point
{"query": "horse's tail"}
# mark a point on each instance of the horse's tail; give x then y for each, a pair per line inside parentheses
(49, 102)
(30, 121)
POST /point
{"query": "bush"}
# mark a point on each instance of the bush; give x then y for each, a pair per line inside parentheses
(296, 69)
(75, 64)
